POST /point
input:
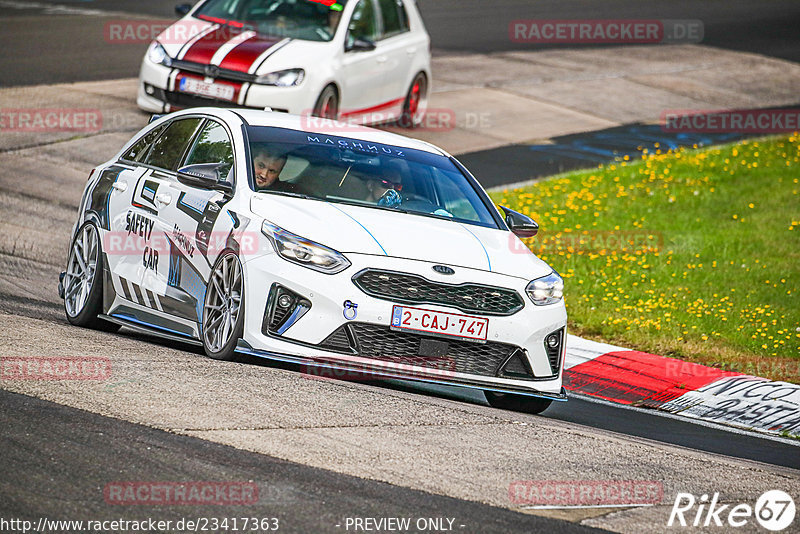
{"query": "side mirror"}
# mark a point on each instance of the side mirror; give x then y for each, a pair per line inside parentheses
(521, 225)
(182, 9)
(204, 176)
(359, 45)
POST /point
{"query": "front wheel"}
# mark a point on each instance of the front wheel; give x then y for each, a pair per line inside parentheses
(223, 309)
(517, 403)
(327, 105)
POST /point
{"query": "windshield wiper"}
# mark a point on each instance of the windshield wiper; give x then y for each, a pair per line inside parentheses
(366, 205)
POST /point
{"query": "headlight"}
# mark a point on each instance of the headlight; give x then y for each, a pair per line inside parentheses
(158, 55)
(546, 290)
(304, 251)
(283, 78)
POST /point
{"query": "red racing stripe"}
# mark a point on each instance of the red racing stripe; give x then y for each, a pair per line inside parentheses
(204, 48)
(373, 109)
(639, 378)
(242, 56)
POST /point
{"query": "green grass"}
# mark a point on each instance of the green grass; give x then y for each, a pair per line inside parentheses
(693, 254)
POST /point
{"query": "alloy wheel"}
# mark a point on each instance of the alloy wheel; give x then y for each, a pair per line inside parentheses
(223, 303)
(81, 270)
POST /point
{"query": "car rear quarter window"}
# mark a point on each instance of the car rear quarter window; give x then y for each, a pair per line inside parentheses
(395, 19)
(170, 146)
(212, 145)
(139, 149)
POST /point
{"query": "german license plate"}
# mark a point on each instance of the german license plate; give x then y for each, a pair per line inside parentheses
(440, 323)
(211, 90)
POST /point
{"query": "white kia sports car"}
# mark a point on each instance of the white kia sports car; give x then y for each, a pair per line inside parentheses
(339, 247)
(366, 61)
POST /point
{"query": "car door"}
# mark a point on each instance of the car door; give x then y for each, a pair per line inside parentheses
(363, 83)
(200, 228)
(397, 45)
(149, 217)
(113, 200)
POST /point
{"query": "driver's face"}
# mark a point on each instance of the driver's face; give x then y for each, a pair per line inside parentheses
(267, 170)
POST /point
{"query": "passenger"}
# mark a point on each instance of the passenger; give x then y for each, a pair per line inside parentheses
(379, 188)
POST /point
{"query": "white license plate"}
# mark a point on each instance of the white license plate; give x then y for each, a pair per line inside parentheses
(441, 323)
(212, 90)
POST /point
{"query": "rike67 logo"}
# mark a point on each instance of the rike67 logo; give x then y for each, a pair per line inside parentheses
(774, 510)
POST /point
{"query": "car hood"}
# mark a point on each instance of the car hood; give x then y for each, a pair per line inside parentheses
(362, 230)
(237, 49)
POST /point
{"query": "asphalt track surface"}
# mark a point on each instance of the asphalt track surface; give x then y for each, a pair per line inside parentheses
(64, 473)
(63, 476)
(45, 42)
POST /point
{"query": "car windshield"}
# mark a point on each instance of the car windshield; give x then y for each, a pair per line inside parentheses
(349, 171)
(310, 20)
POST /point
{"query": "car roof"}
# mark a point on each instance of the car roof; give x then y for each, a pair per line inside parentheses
(334, 128)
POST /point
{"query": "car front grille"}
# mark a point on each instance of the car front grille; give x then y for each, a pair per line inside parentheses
(176, 99)
(222, 74)
(382, 343)
(414, 289)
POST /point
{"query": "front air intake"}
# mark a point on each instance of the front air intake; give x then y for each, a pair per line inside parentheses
(553, 345)
(284, 308)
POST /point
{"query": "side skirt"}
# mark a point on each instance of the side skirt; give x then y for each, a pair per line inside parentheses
(151, 329)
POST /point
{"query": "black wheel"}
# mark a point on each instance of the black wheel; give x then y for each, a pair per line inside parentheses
(83, 281)
(416, 102)
(327, 105)
(517, 403)
(223, 309)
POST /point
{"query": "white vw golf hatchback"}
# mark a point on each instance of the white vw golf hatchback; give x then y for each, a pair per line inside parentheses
(363, 61)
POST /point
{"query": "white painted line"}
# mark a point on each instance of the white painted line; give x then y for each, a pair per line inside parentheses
(580, 506)
(581, 350)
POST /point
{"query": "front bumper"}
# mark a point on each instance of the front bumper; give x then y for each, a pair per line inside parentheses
(307, 339)
(347, 370)
(157, 93)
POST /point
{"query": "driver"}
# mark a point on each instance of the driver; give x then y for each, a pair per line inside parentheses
(267, 166)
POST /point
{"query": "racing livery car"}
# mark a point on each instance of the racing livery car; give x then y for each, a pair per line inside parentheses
(339, 247)
(366, 61)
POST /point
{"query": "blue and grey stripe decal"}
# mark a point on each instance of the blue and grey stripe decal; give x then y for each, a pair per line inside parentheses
(362, 226)
(488, 259)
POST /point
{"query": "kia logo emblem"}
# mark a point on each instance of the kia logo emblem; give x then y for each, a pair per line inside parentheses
(443, 269)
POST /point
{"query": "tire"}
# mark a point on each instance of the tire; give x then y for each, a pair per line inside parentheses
(416, 102)
(517, 403)
(223, 309)
(83, 281)
(327, 105)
